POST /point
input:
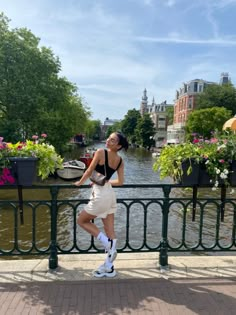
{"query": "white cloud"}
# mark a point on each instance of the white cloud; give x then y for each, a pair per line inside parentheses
(179, 40)
(170, 3)
(148, 2)
(223, 3)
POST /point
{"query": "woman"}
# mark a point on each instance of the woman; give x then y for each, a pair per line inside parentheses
(102, 202)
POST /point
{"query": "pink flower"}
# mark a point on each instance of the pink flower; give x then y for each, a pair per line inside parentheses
(11, 179)
(35, 137)
(5, 171)
(222, 161)
(195, 140)
(6, 177)
(214, 140)
(44, 135)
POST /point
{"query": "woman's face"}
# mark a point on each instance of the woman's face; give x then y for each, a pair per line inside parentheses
(112, 141)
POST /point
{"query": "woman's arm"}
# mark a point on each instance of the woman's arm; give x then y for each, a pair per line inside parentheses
(97, 157)
(119, 181)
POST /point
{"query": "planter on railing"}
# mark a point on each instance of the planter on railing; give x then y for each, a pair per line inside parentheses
(232, 174)
(193, 177)
(204, 176)
(199, 175)
(24, 169)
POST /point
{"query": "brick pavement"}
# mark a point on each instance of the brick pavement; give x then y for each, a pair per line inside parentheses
(201, 285)
(121, 297)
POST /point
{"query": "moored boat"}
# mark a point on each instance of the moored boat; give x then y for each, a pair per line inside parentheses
(87, 157)
(155, 154)
(71, 170)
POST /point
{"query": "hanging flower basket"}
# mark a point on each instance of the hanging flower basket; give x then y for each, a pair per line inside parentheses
(215, 158)
(16, 160)
(232, 174)
(24, 170)
(189, 178)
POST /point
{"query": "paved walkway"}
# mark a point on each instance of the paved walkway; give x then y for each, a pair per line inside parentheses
(191, 285)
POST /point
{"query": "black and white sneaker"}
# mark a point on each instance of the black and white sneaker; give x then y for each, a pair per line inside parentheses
(111, 250)
(103, 271)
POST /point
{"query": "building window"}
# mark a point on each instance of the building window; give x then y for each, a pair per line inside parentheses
(195, 86)
(190, 103)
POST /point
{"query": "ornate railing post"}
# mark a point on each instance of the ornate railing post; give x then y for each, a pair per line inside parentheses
(163, 258)
(53, 259)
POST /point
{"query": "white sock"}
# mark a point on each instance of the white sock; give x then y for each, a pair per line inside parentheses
(114, 243)
(103, 239)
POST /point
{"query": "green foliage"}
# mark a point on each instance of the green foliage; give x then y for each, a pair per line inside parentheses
(215, 95)
(170, 114)
(93, 129)
(115, 127)
(204, 121)
(216, 154)
(33, 98)
(48, 161)
(145, 131)
(171, 157)
(129, 124)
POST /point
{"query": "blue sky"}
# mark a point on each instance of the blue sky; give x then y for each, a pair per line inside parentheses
(113, 49)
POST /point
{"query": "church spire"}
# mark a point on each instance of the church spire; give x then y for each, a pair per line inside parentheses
(144, 103)
(145, 98)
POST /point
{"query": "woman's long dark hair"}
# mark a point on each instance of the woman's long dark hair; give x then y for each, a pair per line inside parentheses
(122, 141)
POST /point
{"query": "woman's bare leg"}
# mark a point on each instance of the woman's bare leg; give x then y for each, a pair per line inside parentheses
(108, 224)
(84, 220)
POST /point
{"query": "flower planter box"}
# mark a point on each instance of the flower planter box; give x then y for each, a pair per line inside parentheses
(232, 175)
(204, 177)
(24, 170)
(192, 178)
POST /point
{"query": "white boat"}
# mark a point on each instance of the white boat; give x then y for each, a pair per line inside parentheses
(155, 154)
(71, 170)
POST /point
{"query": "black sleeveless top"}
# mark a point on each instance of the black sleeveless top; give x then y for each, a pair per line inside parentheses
(110, 171)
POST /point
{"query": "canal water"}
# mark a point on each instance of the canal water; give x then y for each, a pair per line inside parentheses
(138, 170)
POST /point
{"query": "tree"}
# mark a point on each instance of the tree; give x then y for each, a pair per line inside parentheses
(129, 124)
(33, 98)
(218, 95)
(205, 121)
(145, 131)
(170, 115)
(93, 129)
(115, 127)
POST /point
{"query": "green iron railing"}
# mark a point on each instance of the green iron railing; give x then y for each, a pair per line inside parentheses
(150, 218)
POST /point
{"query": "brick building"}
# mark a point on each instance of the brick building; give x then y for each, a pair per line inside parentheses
(185, 103)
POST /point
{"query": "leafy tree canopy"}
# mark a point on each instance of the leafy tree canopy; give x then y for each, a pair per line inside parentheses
(34, 99)
(145, 131)
(115, 127)
(205, 121)
(218, 95)
(129, 124)
(93, 129)
(170, 115)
